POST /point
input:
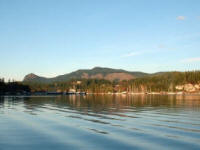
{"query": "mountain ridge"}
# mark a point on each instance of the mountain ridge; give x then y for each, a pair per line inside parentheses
(94, 73)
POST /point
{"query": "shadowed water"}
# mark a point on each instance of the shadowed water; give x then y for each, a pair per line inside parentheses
(100, 122)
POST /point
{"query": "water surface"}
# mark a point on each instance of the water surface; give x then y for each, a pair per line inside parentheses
(100, 122)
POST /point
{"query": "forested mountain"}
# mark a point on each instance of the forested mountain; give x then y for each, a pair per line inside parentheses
(158, 82)
(95, 73)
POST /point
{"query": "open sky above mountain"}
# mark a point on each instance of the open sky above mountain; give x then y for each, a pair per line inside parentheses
(50, 37)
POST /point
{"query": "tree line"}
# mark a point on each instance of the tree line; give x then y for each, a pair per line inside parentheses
(13, 87)
(153, 83)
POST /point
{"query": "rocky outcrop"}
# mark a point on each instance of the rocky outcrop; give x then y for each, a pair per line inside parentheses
(30, 76)
(85, 75)
(119, 76)
(97, 76)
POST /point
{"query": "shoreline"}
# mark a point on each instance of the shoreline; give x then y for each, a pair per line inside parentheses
(84, 94)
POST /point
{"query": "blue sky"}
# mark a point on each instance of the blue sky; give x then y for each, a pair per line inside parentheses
(53, 37)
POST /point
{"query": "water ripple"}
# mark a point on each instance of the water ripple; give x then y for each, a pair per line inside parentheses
(92, 122)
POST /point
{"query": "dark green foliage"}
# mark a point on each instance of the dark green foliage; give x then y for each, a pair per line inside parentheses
(155, 83)
(165, 81)
(13, 87)
(83, 85)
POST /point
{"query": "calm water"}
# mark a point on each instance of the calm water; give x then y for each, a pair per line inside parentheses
(100, 123)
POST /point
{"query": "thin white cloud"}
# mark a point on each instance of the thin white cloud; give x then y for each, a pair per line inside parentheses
(181, 18)
(191, 60)
(131, 54)
(161, 46)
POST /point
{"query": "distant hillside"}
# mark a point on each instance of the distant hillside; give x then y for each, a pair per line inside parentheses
(161, 82)
(95, 73)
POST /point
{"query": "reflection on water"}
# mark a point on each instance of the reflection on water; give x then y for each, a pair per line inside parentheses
(100, 122)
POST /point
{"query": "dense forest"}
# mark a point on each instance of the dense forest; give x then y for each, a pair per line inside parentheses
(13, 88)
(165, 82)
(162, 82)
